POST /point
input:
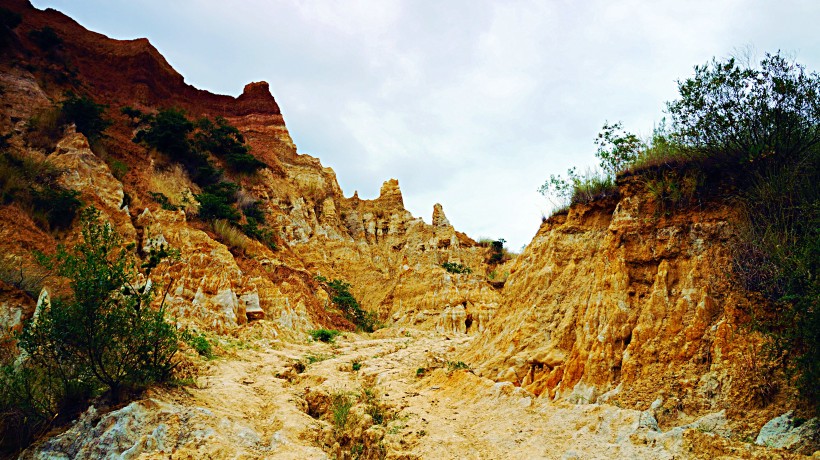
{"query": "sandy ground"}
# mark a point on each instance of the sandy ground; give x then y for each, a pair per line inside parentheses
(254, 404)
(444, 414)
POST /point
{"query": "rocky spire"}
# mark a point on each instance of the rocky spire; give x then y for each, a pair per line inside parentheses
(439, 219)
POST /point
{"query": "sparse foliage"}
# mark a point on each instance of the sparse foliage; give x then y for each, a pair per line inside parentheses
(324, 335)
(107, 331)
(87, 115)
(456, 268)
(343, 299)
(617, 149)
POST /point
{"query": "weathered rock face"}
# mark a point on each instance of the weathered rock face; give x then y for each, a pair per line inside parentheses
(388, 256)
(617, 301)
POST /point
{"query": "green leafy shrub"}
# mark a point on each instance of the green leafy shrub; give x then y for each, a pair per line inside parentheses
(86, 114)
(735, 114)
(343, 299)
(577, 189)
(455, 267)
(225, 141)
(356, 366)
(164, 201)
(216, 202)
(324, 335)
(105, 336)
(617, 149)
(457, 365)
(340, 405)
(106, 332)
(199, 343)
(497, 252)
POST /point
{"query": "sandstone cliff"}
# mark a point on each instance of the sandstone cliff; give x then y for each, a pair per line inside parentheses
(617, 302)
(389, 256)
(624, 301)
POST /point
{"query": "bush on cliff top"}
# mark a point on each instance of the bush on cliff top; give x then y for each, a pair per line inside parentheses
(757, 130)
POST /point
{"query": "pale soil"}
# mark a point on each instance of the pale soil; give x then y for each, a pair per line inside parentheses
(445, 414)
(253, 405)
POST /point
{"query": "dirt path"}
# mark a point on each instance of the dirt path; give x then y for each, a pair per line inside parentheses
(256, 403)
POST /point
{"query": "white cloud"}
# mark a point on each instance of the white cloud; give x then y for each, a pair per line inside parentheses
(469, 103)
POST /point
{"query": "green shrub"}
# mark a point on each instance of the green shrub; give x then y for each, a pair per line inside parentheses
(455, 267)
(199, 343)
(617, 149)
(106, 332)
(105, 336)
(216, 202)
(324, 335)
(225, 141)
(343, 299)
(577, 189)
(456, 365)
(86, 115)
(340, 405)
(744, 115)
(497, 252)
(263, 235)
(164, 201)
(118, 168)
(29, 400)
(356, 366)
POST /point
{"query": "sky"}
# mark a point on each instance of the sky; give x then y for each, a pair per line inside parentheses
(469, 103)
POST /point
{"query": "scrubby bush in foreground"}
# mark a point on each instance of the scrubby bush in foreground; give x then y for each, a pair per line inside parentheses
(105, 336)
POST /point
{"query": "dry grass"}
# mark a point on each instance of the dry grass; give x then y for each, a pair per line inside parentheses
(230, 235)
(175, 184)
(45, 129)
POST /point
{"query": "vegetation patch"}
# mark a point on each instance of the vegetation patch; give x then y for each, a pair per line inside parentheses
(343, 299)
(104, 337)
(324, 335)
(455, 267)
(32, 185)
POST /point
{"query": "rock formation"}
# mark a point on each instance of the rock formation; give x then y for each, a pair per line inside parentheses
(616, 302)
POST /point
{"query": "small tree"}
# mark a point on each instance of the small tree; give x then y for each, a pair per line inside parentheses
(617, 149)
(106, 332)
(749, 114)
(86, 114)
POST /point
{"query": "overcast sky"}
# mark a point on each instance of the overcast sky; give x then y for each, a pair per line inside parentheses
(472, 104)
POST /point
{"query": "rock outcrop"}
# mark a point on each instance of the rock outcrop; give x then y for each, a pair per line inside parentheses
(619, 301)
(388, 256)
